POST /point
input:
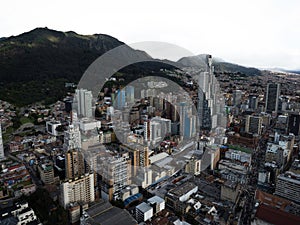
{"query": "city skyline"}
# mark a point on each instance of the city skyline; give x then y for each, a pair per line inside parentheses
(258, 34)
(94, 132)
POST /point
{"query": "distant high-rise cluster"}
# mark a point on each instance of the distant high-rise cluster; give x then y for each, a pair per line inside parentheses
(124, 97)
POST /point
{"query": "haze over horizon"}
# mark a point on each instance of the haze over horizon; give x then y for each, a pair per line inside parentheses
(260, 34)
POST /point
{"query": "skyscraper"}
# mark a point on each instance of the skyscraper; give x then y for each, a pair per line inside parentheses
(207, 96)
(129, 94)
(121, 99)
(254, 124)
(83, 102)
(188, 121)
(190, 126)
(1, 145)
(272, 97)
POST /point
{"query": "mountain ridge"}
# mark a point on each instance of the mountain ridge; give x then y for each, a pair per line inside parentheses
(35, 65)
(220, 65)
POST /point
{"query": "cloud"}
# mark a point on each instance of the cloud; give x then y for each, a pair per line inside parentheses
(248, 32)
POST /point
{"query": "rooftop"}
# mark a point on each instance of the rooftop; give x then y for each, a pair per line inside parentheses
(105, 214)
(230, 184)
(144, 207)
(156, 199)
(296, 165)
(158, 157)
(183, 189)
(275, 216)
(290, 177)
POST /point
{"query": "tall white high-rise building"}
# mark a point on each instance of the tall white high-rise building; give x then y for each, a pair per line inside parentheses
(155, 131)
(83, 103)
(1, 145)
(80, 190)
(159, 128)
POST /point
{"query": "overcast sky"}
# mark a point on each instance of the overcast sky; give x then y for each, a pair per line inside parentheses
(260, 33)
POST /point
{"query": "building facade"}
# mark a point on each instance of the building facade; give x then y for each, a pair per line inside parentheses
(272, 97)
(1, 145)
(288, 186)
(79, 190)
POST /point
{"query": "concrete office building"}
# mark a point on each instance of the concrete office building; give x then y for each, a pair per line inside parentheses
(288, 186)
(143, 212)
(115, 173)
(157, 203)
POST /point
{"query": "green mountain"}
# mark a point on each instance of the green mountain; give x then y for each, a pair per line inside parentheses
(35, 66)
